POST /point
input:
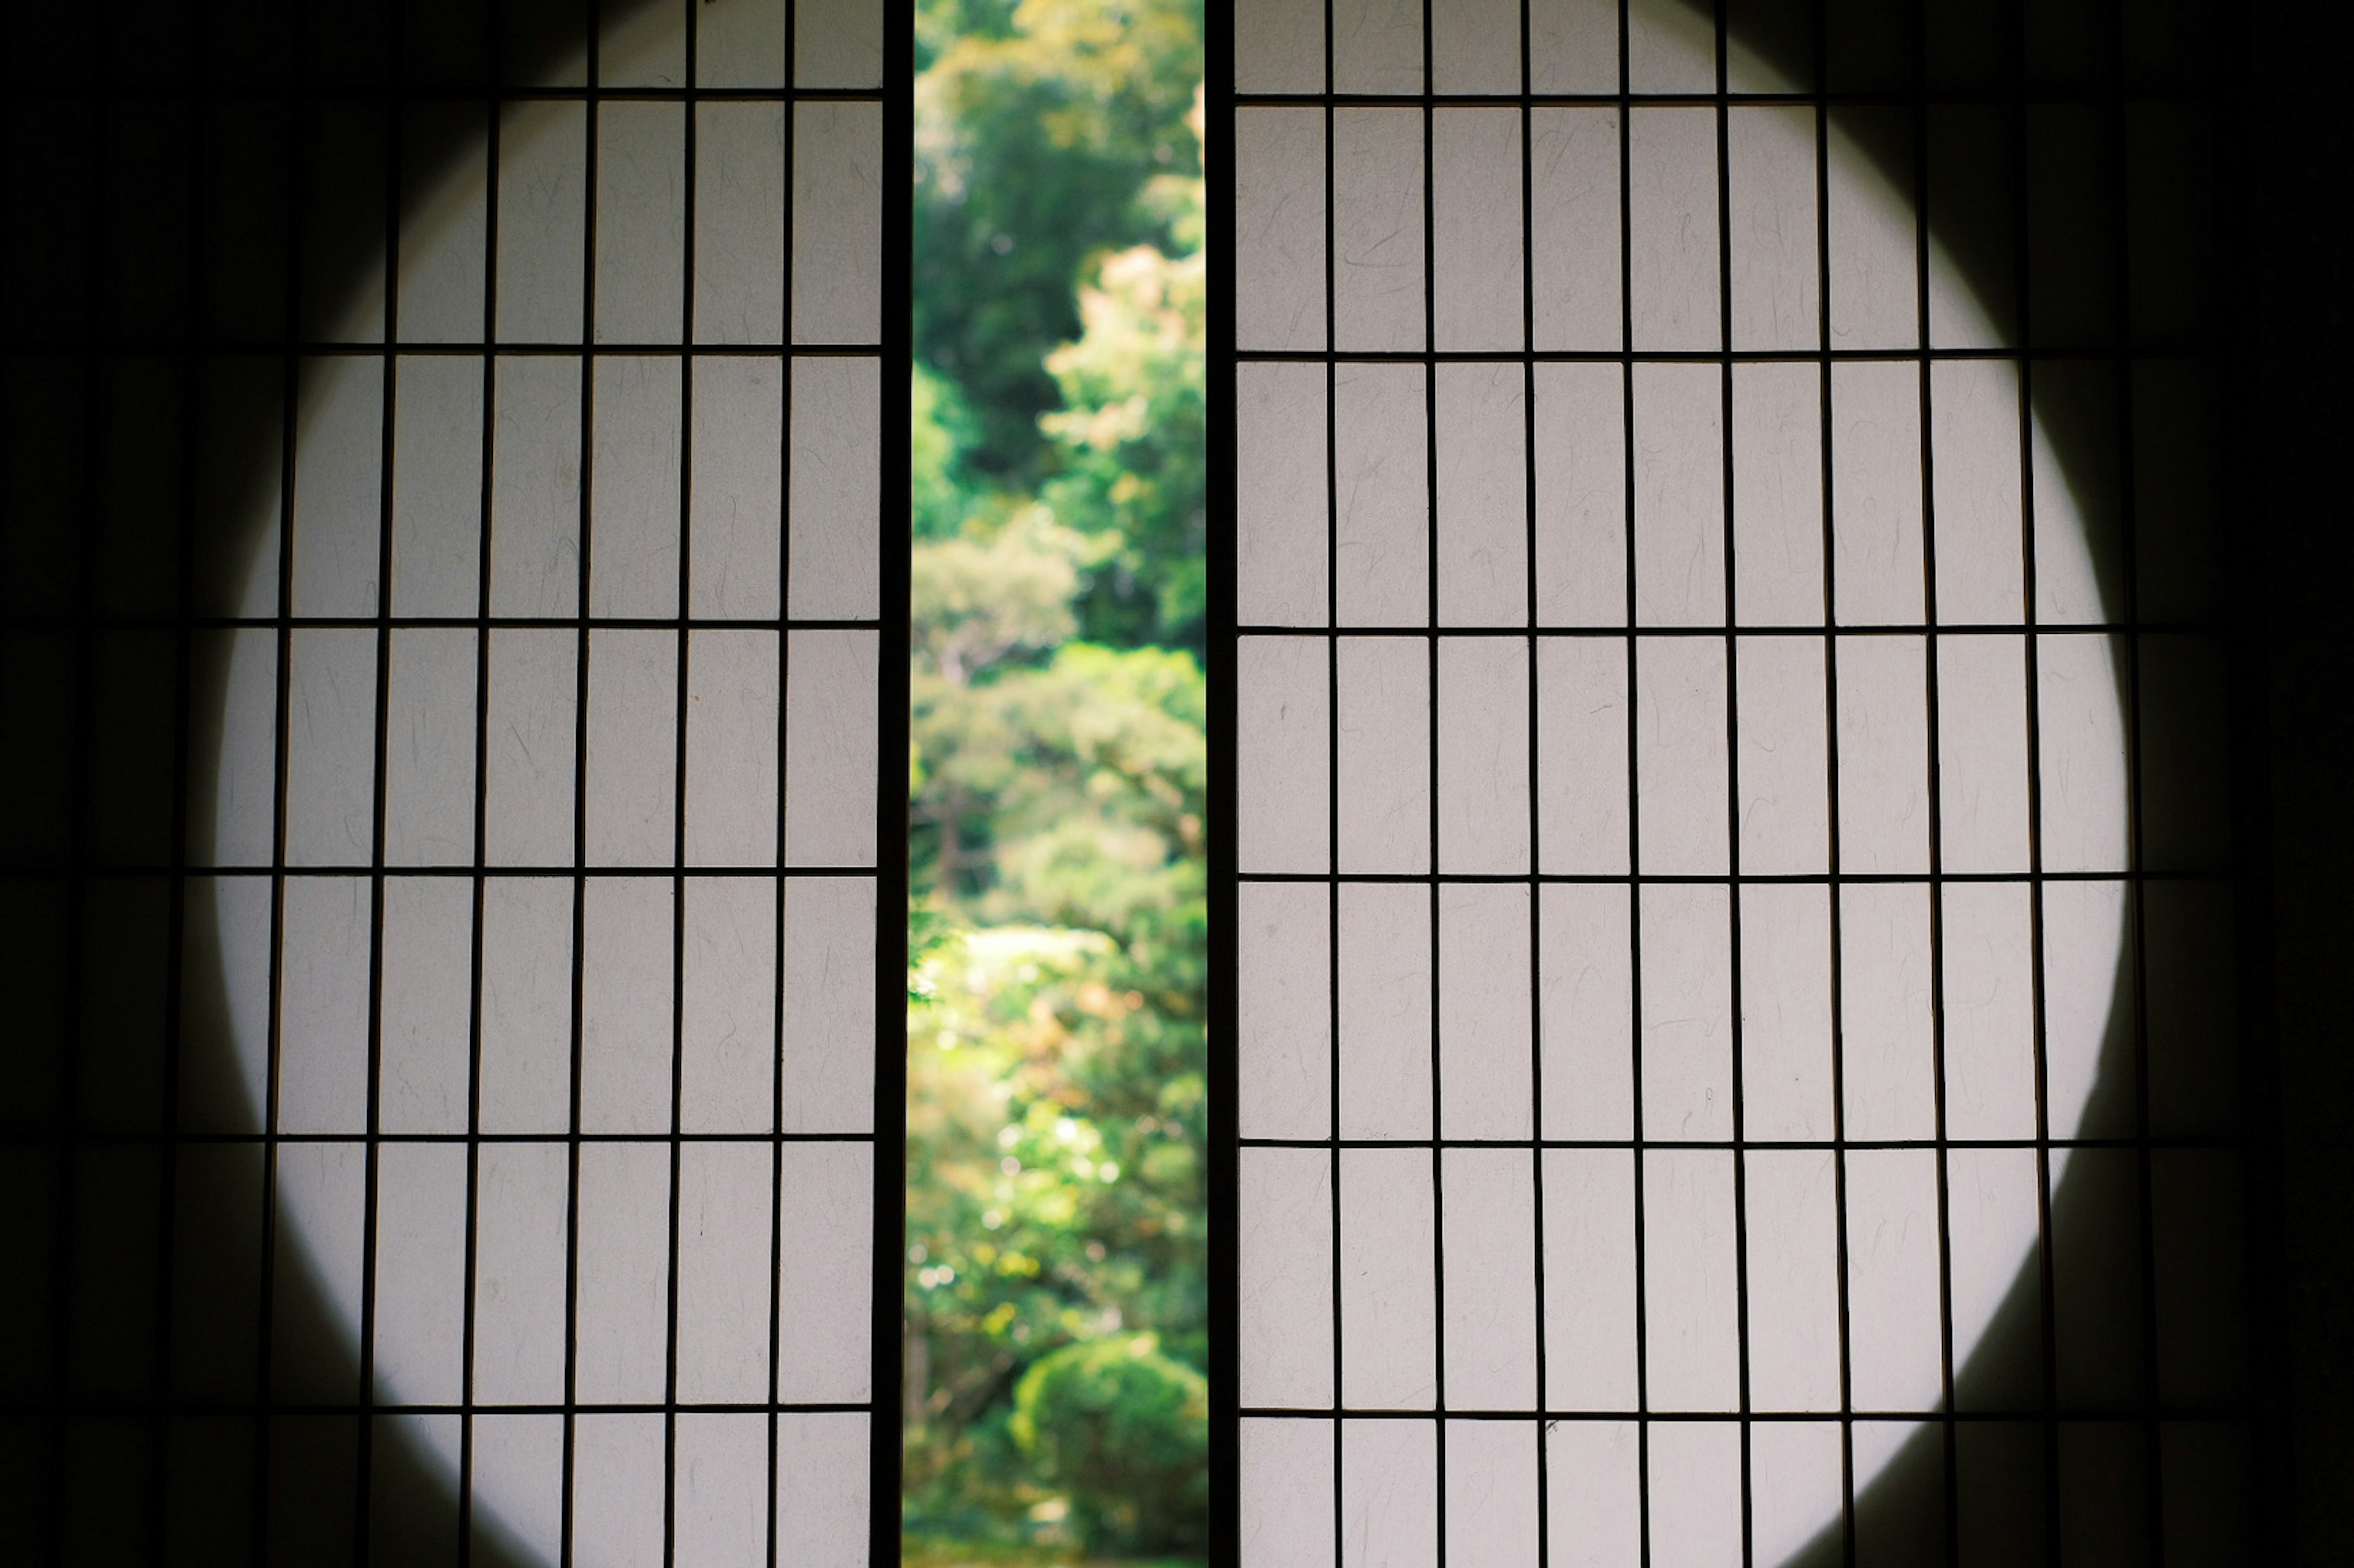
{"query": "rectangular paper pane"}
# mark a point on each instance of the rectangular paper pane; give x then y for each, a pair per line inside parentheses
(421, 1271)
(825, 1193)
(739, 216)
(731, 749)
(1777, 494)
(1377, 46)
(626, 1003)
(1286, 1244)
(1388, 1288)
(1281, 495)
(1973, 429)
(1381, 498)
(1482, 503)
(1771, 189)
(838, 44)
(719, 1488)
(632, 776)
(837, 219)
(1283, 744)
(1787, 1002)
(1893, 1306)
(1587, 979)
(1883, 746)
(1580, 461)
(1279, 225)
(527, 964)
(1885, 1021)
(735, 451)
(724, 1200)
(824, 1486)
(1689, 1312)
(1582, 761)
(827, 1066)
(1982, 753)
(834, 552)
(1792, 1211)
(1491, 1492)
(1573, 158)
(1389, 1494)
(1287, 1493)
(830, 748)
(1384, 798)
(522, 1193)
(1784, 755)
(1475, 211)
(1591, 1299)
(1679, 431)
(641, 238)
(331, 748)
(1694, 1504)
(1385, 986)
(1486, 983)
(1377, 239)
(1686, 997)
(1595, 1492)
(430, 755)
(428, 933)
(1484, 719)
(1876, 493)
(1679, 754)
(1280, 47)
(618, 1476)
(536, 486)
(1672, 208)
(623, 1298)
(1284, 1057)
(1489, 1330)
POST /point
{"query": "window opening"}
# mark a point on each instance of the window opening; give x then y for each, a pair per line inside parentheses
(1056, 1395)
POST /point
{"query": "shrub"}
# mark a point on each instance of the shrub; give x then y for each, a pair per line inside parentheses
(1125, 1431)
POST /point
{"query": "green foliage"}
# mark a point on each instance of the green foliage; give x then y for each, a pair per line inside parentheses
(1070, 792)
(943, 433)
(1126, 1429)
(999, 587)
(1057, 781)
(1132, 430)
(1058, 202)
(1038, 129)
(1055, 1189)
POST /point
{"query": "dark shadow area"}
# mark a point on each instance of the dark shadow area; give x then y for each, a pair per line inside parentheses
(195, 189)
(2290, 412)
(2188, 1341)
(2067, 155)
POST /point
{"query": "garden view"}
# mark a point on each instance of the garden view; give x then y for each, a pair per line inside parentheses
(1056, 1409)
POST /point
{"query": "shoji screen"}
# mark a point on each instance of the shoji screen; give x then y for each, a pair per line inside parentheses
(1724, 1055)
(484, 971)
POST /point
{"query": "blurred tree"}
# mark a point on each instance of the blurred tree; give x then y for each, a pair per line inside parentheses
(943, 433)
(1056, 780)
(1126, 1429)
(1056, 1093)
(1132, 432)
(1039, 130)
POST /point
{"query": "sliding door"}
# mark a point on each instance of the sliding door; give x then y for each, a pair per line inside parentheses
(1719, 835)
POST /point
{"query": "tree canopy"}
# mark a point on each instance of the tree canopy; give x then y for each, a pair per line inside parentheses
(1057, 1302)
